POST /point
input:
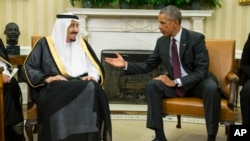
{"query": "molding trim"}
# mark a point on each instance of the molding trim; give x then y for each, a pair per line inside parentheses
(132, 20)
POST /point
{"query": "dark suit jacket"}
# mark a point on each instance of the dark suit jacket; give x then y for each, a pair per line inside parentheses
(4, 55)
(3, 52)
(245, 62)
(193, 55)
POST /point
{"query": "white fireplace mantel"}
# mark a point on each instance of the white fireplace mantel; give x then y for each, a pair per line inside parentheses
(195, 18)
(134, 12)
(129, 28)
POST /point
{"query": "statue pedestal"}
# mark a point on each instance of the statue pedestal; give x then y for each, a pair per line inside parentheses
(13, 50)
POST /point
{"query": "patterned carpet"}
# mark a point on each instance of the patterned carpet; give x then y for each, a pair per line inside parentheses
(133, 128)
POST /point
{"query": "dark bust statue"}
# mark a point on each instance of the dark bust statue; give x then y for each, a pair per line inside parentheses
(12, 34)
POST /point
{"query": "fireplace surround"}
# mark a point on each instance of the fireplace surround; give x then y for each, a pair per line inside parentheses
(127, 89)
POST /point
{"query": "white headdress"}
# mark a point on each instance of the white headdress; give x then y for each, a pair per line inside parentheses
(71, 54)
(59, 32)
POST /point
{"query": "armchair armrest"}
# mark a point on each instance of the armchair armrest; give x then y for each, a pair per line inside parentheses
(234, 80)
(232, 77)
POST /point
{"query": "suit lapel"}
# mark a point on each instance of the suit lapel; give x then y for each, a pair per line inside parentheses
(183, 42)
(166, 51)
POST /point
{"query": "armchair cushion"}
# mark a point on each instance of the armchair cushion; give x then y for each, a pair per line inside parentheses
(191, 106)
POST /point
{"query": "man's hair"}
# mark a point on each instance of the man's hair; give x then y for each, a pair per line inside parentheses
(173, 12)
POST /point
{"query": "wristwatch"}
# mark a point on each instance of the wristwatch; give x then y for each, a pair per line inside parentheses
(176, 83)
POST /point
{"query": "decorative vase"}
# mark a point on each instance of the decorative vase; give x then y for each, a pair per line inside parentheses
(87, 3)
(159, 6)
(196, 5)
(124, 5)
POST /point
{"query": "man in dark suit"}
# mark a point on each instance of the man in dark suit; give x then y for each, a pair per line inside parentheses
(189, 77)
(245, 81)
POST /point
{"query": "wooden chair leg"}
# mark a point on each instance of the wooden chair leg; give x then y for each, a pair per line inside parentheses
(35, 129)
(227, 131)
(178, 121)
(29, 128)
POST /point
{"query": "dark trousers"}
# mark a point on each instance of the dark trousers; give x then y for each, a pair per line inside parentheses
(14, 133)
(245, 103)
(13, 112)
(208, 90)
